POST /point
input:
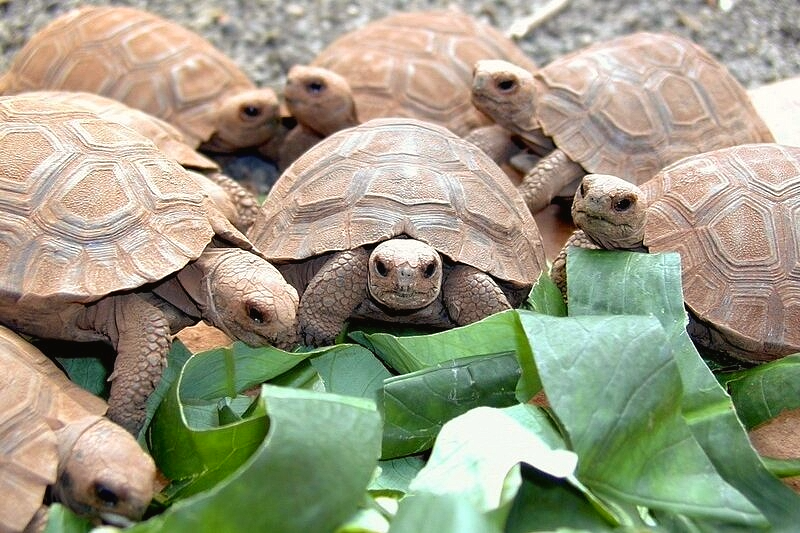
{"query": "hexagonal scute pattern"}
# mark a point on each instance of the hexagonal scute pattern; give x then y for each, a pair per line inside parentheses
(734, 216)
(632, 105)
(132, 56)
(88, 206)
(390, 177)
(419, 65)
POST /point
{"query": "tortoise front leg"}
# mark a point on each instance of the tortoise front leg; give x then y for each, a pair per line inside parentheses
(332, 295)
(558, 270)
(471, 295)
(140, 334)
(544, 181)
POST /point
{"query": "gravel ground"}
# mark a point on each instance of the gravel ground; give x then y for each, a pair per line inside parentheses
(759, 40)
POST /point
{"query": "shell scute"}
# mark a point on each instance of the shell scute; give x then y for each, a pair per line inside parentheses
(92, 193)
(419, 65)
(734, 216)
(392, 177)
(634, 104)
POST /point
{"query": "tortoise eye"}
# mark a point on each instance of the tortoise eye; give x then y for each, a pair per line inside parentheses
(506, 85)
(251, 111)
(430, 270)
(106, 495)
(623, 204)
(315, 87)
(381, 269)
(255, 315)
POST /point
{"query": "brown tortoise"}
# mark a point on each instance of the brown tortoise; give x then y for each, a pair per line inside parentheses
(627, 107)
(151, 64)
(410, 64)
(237, 203)
(733, 214)
(103, 237)
(398, 220)
(53, 433)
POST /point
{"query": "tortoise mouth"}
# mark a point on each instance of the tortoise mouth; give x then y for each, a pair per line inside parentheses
(116, 520)
(611, 235)
(407, 300)
(403, 306)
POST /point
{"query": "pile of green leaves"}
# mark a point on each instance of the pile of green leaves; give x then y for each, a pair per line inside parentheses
(437, 432)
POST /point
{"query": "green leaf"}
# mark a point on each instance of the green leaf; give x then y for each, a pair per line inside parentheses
(601, 278)
(351, 370)
(91, 373)
(440, 513)
(614, 385)
(783, 467)
(481, 467)
(309, 474)
(367, 520)
(61, 519)
(416, 405)
(395, 475)
(186, 437)
(544, 503)
(545, 297)
(473, 470)
(473, 473)
(498, 333)
(762, 392)
(176, 358)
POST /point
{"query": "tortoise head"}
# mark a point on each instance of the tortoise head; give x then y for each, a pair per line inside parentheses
(243, 120)
(245, 296)
(104, 473)
(319, 99)
(405, 274)
(506, 93)
(610, 211)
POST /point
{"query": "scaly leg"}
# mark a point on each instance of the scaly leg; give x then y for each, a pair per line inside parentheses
(140, 334)
(558, 270)
(332, 295)
(544, 181)
(470, 295)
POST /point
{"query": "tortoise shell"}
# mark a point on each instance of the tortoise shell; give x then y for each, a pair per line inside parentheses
(38, 393)
(79, 190)
(165, 136)
(237, 203)
(634, 104)
(419, 65)
(143, 60)
(734, 216)
(392, 177)
(43, 414)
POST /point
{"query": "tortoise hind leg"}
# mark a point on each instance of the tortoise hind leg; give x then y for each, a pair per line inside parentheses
(332, 295)
(140, 334)
(471, 295)
(544, 181)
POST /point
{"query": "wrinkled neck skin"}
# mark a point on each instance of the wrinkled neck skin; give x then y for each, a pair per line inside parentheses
(632, 245)
(69, 435)
(196, 280)
(525, 123)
